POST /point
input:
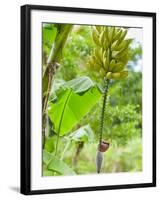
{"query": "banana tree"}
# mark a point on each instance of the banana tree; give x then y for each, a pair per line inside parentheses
(109, 57)
(59, 35)
(77, 97)
(68, 104)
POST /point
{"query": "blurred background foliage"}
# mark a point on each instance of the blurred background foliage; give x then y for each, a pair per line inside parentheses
(123, 116)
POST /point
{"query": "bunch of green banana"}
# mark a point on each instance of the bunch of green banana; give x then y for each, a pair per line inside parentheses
(111, 53)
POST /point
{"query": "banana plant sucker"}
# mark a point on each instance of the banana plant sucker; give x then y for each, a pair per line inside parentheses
(109, 58)
(51, 67)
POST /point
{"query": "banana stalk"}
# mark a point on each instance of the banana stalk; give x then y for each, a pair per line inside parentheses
(102, 146)
(109, 58)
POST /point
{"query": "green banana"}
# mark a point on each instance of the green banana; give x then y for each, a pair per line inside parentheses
(117, 36)
(124, 74)
(112, 65)
(121, 45)
(102, 72)
(116, 75)
(102, 38)
(104, 55)
(118, 67)
(106, 31)
(105, 44)
(98, 57)
(119, 75)
(114, 46)
(109, 75)
(114, 54)
(111, 34)
(121, 53)
(106, 64)
(124, 44)
(106, 61)
(111, 54)
(95, 37)
(121, 38)
(101, 53)
(124, 59)
(98, 28)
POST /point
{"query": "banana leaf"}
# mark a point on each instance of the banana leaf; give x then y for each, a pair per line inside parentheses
(73, 100)
(83, 134)
(53, 164)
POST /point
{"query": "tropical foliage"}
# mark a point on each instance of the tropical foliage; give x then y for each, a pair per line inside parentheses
(91, 94)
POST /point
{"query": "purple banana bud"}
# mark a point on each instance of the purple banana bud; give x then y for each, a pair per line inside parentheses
(103, 146)
(99, 159)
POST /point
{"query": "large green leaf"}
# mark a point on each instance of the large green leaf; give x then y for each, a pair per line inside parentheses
(54, 164)
(74, 99)
(83, 134)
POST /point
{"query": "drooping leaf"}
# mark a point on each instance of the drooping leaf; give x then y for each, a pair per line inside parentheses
(56, 165)
(74, 100)
(80, 84)
(83, 134)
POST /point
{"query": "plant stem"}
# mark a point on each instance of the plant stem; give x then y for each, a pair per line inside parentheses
(45, 103)
(103, 109)
(65, 149)
(77, 153)
(106, 83)
(51, 67)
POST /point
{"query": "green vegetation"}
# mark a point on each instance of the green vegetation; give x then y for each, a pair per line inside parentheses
(91, 93)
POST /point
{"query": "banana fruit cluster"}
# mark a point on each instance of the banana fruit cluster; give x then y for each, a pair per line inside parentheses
(111, 54)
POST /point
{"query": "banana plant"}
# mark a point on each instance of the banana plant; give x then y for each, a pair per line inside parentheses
(109, 57)
(58, 34)
(79, 138)
(75, 99)
(54, 165)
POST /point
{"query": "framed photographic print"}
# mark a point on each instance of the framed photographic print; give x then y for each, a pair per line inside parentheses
(88, 99)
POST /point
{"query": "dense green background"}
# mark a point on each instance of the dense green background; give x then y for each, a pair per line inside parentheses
(123, 116)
